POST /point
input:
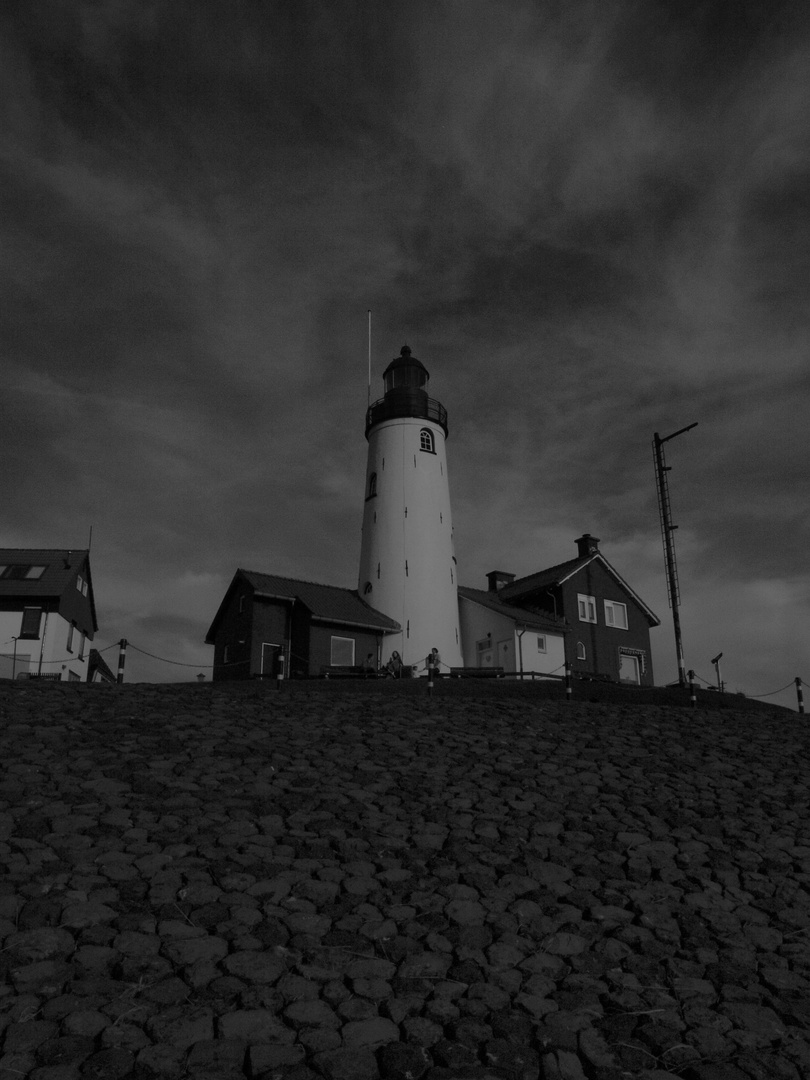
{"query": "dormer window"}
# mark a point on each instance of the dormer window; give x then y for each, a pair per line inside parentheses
(372, 486)
(22, 572)
(426, 442)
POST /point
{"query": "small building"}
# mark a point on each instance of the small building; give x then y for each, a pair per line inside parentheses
(265, 621)
(610, 623)
(47, 613)
(496, 634)
(98, 670)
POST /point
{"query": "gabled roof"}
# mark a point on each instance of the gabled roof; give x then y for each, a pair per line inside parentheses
(533, 620)
(556, 575)
(96, 662)
(62, 566)
(326, 603)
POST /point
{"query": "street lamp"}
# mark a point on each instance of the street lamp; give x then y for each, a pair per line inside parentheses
(667, 529)
(716, 662)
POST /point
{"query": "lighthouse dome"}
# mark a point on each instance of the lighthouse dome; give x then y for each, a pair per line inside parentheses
(405, 371)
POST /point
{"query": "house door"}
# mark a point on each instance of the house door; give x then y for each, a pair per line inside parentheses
(270, 653)
(506, 654)
(629, 669)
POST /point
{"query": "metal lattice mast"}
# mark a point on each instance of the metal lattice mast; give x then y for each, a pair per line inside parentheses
(667, 529)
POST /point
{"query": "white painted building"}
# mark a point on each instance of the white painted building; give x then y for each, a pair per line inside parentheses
(407, 564)
(495, 635)
(47, 614)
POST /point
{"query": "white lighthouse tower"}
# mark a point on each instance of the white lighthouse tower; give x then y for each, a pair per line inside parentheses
(407, 564)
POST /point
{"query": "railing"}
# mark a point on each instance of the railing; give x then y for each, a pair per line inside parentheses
(406, 404)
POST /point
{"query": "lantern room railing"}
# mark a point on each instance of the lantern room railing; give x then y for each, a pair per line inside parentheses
(403, 403)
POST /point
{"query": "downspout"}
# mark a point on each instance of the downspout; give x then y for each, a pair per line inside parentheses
(289, 638)
(42, 642)
(520, 648)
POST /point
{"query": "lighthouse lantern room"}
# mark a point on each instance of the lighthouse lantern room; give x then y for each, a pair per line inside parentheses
(407, 563)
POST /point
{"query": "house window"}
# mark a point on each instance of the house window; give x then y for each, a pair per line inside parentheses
(638, 655)
(342, 652)
(629, 668)
(81, 585)
(426, 441)
(225, 655)
(32, 616)
(71, 631)
(372, 486)
(22, 572)
(581, 651)
(616, 614)
(241, 603)
(541, 643)
(82, 640)
(587, 607)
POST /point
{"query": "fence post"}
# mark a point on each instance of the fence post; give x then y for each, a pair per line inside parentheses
(692, 694)
(279, 669)
(799, 695)
(567, 680)
(122, 657)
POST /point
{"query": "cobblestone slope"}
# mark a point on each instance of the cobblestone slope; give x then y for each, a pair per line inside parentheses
(241, 882)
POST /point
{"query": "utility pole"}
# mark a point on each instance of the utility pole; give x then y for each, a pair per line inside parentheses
(667, 529)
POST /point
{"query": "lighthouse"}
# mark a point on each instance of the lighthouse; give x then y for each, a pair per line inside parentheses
(407, 563)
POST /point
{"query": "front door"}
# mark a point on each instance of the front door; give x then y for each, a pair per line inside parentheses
(506, 654)
(270, 652)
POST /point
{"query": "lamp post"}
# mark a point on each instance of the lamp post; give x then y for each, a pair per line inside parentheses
(667, 529)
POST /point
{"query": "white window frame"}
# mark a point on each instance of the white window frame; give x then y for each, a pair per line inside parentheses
(586, 606)
(427, 441)
(342, 640)
(612, 608)
(581, 651)
(542, 643)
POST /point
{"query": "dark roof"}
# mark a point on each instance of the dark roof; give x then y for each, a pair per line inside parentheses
(62, 566)
(96, 662)
(533, 619)
(556, 575)
(327, 603)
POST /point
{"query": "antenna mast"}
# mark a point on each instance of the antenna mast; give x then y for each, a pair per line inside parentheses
(369, 357)
(667, 529)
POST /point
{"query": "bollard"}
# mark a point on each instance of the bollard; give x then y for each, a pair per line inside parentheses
(567, 681)
(430, 678)
(692, 693)
(279, 669)
(122, 656)
(799, 695)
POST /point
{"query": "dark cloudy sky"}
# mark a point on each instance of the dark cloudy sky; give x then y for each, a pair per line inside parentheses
(590, 220)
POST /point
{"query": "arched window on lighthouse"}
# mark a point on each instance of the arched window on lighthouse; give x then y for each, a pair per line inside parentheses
(426, 441)
(372, 486)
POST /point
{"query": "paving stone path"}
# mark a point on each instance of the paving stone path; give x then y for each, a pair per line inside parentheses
(219, 883)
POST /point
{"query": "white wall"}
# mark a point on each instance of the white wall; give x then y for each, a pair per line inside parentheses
(51, 647)
(408, 534)
(509, 646)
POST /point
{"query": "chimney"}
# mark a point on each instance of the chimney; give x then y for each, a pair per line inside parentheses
(498, 578)
(587, 545)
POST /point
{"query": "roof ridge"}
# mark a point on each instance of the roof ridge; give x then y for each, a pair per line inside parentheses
(299, 581)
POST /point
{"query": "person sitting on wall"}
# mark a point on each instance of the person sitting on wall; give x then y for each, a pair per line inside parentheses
(433, 660)
(394, 666)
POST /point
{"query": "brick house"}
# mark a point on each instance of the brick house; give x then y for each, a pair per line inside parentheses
(263, 617)
(610, 623)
